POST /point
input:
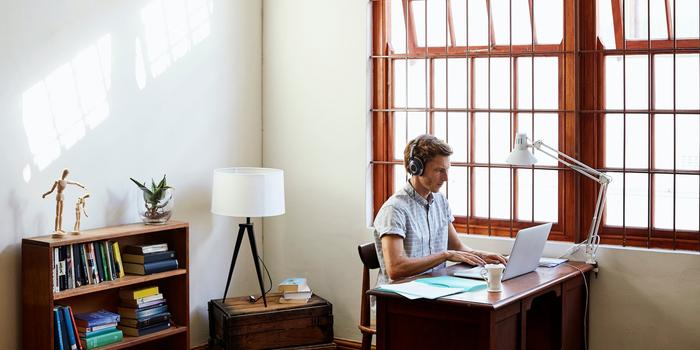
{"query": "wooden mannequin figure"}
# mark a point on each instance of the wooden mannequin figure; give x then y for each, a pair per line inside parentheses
(80, 204)
(60, 185)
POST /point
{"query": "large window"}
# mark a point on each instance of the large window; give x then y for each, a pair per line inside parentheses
(475, 72)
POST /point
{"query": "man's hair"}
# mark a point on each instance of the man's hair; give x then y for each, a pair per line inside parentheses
(427, 148)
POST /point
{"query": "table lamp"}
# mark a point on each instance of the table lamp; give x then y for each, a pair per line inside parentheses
(522, 156)
(247, 192)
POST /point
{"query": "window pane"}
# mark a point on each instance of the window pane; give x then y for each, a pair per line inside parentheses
(606, 28)
(663, 201)
(459, 21)
(398, 27)
(547, 130)
(524, 194)
(399, 177)
(688, 81)
(481, 192)
(663, 81)
(637, 141)
(412, 88)
(613, 82)
(450, 92)
(500, 137)
(481, 137)
(437, 23)
(549, 21)
(635, 18)
(635, 204)
(657, 20)
(614, 140)
(546, 195)
(478, 23)
(687, 141)
(455, 133)
(501, 10)
(500, 82)
(457, 190)
(481, 82)
(500, 193)
(687, 202)
(686, 18)
(663, 141)
(406, 127)
(546, 82)
(418, 16)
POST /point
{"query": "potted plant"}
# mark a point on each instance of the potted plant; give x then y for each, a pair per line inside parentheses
(156, 204)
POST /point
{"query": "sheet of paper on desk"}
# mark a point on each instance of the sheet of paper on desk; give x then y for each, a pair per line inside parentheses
(551, 262)
(415, 290)
(466, 285)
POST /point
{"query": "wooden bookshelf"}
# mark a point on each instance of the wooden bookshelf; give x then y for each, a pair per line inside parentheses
(39, 299)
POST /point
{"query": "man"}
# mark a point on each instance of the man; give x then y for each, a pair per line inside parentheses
(413, 230)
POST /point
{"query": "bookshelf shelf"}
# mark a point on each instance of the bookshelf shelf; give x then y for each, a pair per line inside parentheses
(39, 298)
(118, 283)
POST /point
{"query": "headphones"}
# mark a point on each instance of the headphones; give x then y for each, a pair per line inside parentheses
(415, 164)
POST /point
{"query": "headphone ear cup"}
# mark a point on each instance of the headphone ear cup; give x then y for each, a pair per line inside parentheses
(415, 167)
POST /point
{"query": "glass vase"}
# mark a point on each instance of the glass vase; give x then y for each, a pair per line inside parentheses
(155, 211)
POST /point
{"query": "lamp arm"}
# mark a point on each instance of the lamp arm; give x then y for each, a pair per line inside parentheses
(580, 167)
(593, 239)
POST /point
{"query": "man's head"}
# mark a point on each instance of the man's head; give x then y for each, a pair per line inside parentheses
(434, 154)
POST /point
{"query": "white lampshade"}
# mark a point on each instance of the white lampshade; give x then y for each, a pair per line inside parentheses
(248, 192)
(521, 155)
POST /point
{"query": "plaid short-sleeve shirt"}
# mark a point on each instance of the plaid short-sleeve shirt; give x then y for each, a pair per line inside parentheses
(421, 223)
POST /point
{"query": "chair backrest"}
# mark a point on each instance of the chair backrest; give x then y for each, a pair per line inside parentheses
(368, 255)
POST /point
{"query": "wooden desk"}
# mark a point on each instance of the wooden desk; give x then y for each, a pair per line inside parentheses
(543, 309)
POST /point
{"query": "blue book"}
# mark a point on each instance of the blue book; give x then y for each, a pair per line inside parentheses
(57, 330)
(95, 318)
(72, 342)
(152, 267)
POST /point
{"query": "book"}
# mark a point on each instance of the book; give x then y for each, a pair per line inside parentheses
(303, 293)
(146, 321)
(88, 335)
(95, 318)
(284, 300)
(92, 264)
(109, 262)
(149, 257)
(141, 302)
(292, 284)
(98, 261)
(146, 248)
(56, 262)
(149, 268)
(62, 268)
(77, 268)
(143, 305)
(138, 293)
(118, 260)
(88, 330)
(136, 332)
(64, 330)
(57, 330)
(69, 267)
(105, 261)
(72, 339)
(128, 312)
(87, 271)
(75, 328)
(114, 336)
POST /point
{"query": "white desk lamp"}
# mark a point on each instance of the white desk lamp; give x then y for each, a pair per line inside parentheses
(523, 157)
(246, 193)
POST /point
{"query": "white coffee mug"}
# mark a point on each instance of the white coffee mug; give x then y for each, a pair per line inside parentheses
(492, 274)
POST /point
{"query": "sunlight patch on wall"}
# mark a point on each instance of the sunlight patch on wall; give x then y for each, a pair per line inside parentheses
(58, 110)
(172, 28)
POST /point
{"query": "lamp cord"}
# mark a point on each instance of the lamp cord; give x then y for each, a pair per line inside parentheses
(267, 272)
(585, 310)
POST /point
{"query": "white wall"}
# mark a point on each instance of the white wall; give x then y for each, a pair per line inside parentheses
(200, 111)
(314, 119)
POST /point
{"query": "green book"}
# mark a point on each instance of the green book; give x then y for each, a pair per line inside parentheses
(102, 339)
(108, 276)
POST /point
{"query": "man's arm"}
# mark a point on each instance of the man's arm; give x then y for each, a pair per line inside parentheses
(398, 265)
(454, 243)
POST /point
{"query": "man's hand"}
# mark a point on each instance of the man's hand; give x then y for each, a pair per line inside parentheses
(493, 258)
(465, 257)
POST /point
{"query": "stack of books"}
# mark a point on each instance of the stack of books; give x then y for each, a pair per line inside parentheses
(98, 328)
(143, 311)
(294, 291)
(78, 265)
(148, 259)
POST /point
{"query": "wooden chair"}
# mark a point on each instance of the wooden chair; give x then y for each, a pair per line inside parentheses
(368, 255)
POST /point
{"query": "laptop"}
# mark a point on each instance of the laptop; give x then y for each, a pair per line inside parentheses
(525, 256)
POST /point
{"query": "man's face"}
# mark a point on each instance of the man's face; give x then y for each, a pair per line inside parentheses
(435, 174)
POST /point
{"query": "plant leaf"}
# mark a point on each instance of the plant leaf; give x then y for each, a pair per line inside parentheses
(142, 187)
(162, 183)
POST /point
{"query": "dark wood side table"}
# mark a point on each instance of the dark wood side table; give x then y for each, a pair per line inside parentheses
(543, 309)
